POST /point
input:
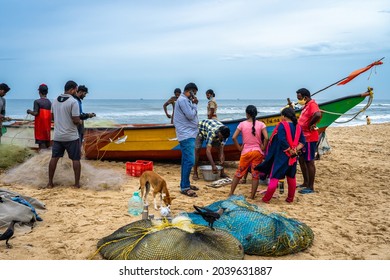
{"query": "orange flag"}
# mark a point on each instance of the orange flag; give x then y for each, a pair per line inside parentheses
(356, 73)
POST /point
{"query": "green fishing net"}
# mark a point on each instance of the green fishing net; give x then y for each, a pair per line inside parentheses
(164, 240)
(11, 155)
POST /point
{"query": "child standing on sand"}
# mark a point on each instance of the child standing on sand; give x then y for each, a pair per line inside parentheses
(252, 148)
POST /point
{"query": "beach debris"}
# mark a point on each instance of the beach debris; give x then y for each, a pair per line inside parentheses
(220, 183)
(165, 211)
(120, 140)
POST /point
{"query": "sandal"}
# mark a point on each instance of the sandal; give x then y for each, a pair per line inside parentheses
(194, 188)
(189, 193)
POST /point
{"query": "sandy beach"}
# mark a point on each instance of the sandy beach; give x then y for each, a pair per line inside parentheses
(348, 213)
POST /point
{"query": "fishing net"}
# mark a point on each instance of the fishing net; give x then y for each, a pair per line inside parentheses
(260, 233)
(164, 240)
(33, 172)
(11, 155)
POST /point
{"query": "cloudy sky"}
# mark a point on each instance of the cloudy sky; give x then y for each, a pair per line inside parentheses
(240, 48)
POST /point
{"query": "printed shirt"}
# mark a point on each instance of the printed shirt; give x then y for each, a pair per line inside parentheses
(208, 130)
(250, 141)
(307, 113)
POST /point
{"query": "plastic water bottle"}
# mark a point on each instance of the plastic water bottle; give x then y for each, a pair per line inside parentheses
(135, 205)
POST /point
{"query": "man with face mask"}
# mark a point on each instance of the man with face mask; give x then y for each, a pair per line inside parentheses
(308, 119)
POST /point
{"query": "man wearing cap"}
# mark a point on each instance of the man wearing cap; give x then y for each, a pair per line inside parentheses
(171, 101)
(308, 120)
(42, 114)
(215, 134)
(82, 91)
(185, 119)
(66, 115)
(4, 88)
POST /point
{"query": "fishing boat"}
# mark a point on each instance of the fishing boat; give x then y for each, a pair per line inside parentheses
(158, 142)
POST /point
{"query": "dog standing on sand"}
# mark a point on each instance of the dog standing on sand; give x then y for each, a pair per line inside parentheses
(159, 185)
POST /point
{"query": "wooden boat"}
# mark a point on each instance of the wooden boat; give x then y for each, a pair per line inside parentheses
(158, 141)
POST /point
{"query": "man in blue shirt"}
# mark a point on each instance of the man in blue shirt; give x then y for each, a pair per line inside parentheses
(82, 91)
(185, 120)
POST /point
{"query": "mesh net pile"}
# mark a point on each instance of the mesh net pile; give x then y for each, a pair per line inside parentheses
(260, 233)
(176, 240)
(11, 155)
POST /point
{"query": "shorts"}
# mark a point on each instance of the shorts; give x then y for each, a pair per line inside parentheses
(73, 148)
(309, 151)
(199, 141)
(250, 159)
(46, 142)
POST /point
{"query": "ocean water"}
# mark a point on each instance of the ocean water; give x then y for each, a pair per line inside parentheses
(151, 110)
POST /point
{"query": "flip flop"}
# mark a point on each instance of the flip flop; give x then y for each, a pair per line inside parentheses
(261, 191)
(301, 186)
(189, 193)
(306, 191)
(194, 188)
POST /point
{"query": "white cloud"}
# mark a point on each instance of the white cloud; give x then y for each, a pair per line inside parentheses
(124, 38)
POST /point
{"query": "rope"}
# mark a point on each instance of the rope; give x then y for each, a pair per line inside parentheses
(354, 115)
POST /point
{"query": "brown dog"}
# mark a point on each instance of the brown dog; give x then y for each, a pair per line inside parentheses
(151, 178)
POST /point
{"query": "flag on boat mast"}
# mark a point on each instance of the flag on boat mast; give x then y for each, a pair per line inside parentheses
(356, 73)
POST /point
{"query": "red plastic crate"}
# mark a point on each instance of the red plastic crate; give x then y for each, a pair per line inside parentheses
(148, 165)
(138, 167)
